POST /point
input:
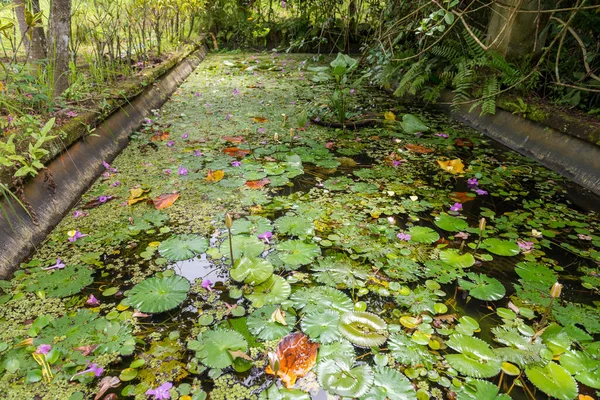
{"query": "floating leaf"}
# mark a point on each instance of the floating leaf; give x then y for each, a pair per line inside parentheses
(452, 257)
(62, 282)
(275, 393)
(252, 225)
(455, 166)
(553, 380)
(243, 246)
(322, 327)
(461, 142)
(319, 299)
(500, 247)
(261, 324)
(483, 287)
(295, 253)
(363, 329)
(297, 356)
(236, 152)
(462, 197)
(389, 116)
(215, 176)
(583, 366)
(183, 247)
(339, 377)
(155, 295)
(422, 234)
(417, 148)
(260, 120)
(390, 384)
(136, 195)
(165, 200)
(476, 360)
(251, 270)
(412, 124)
(274, 290)
(258, 184)
(294, 225)
(476, 389)
(213, 347)
(450, 223)
(233, 139)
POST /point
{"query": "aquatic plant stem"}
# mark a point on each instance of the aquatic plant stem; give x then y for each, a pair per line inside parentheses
(230, 246)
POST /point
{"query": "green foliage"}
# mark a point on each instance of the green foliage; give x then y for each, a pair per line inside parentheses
(363, 329)
(159, 294)
(261, 323)
(213, 347)
(341, 378)
(253, 271)
(553, 380)
(183, 247)
(61, 283)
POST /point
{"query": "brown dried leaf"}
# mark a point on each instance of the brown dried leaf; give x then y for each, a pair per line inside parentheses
(165, 200)
(297, 356)
(260, 120)
(461, 197)
(419, 149)
(160, 136)
(233, 139)
(236, 152)
(460, 142)
(258, 184)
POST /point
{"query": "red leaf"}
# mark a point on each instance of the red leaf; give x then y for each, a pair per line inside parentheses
(258, 184)
(419, 149)
(165, 200)
(236, 152)
(296, 357)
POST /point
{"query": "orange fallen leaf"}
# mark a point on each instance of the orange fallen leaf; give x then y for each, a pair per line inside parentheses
(584, 397)
(236, 152)
(258, 184)
(461, 197)
(233, 139)
(162, 136)
(455, 166)
(460, 142)
(165, 200)
(260, 120)
(419, 149)
(296, 357)
(215, 176)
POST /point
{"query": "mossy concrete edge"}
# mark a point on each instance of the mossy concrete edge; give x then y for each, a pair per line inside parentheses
(576, 159)
(52, 194)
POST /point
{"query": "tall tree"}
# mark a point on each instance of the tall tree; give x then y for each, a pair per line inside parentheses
(58, 43)
(32, 31)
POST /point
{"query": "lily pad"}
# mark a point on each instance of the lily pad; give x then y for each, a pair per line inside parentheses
(155, 295)
(295, 253)
(391, 385)
(261, 323)
(251, 270)
(295, 225)
(363, 329)
(501, 247)
(422, 234)
(322, 327)
(452, 257)
(476, 389)
(483, 287)
(341, 378)
(183, 247)
(476, 360)
(243, 246)
(412, 124)
(450, 223)
(213, 347)
(553, 380)
(272, 291)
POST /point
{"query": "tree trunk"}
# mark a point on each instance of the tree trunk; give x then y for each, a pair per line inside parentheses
(38, 37)
(58, 45)
(20, 12)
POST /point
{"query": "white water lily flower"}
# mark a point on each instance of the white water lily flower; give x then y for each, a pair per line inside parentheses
(414, 198)
(536, 234)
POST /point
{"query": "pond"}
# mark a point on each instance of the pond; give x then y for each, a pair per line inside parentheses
(240, 249)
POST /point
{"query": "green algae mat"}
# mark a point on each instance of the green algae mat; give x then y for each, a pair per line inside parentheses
(239, 249)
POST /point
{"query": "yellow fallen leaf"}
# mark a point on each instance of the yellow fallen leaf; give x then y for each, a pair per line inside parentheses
(136, 195)
(279, 316)
(215, 176)
(453, 166)
(389, 116)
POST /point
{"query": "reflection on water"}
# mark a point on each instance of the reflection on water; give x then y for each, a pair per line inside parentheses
(200, 268)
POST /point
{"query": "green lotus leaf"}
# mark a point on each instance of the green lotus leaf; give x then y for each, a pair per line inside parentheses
(452, 257)
(412, 124)
(451, 223)
(553, 380)
(319, 299)
(341, 271)
(212, 347)
(275, 393)
(295, 225)
(483, 287)
(537, 275)
(155, 295)
(62, 282)
(501, 247)
(261, 323)
(243, 246)
(476, 389)
(254, 175)
(295, 253)
(322, 327)
(252, 225)
(252, 271)
(391, 385)
(583, 366)
(422, 234)
(182, 247)
(272, 291)
(342, 349)
(407, 352)
(476, 360)
(363, 329)
(339, 377)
